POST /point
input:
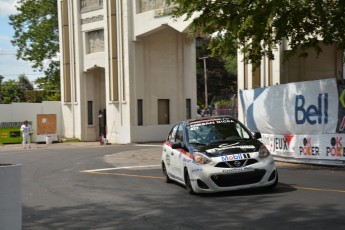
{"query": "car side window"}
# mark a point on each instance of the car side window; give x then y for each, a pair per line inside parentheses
(179, 134)
(172, 134)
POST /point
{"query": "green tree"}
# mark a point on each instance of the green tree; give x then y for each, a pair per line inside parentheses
(22, 90)
(37, 38)
(16, 91)
(10, 92)
(23, 85)
(256, 27)
(37, 96)
(51, 83)
(221, 82)
(24, 82)
(231, 64)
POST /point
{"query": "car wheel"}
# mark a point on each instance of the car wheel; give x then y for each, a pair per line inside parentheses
(167, 178)
(188, 183)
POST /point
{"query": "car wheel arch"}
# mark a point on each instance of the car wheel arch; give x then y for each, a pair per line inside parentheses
(276, 181)
(165, 172)
(187, 181)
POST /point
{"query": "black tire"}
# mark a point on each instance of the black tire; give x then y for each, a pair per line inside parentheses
(188, 183)
(167, 178)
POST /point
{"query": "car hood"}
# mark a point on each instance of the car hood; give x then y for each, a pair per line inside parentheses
(230, 147)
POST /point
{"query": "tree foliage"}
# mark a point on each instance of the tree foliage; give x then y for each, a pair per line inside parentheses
(51, 82)
(37, 38)
(22, 90)
(257, 27)
(14, 91)
(221, 83)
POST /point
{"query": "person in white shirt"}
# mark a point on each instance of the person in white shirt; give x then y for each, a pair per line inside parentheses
(26, 130)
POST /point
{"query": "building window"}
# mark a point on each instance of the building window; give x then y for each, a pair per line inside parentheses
(89, 113)
(140, 112)
(163, 112)
(188, 109)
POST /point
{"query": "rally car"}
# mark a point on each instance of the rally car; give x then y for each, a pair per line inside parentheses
(216, 154)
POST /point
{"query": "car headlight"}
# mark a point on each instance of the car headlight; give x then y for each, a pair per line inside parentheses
(263, 152)
(200, 158)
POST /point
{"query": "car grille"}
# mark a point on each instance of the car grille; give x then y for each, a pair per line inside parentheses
(240, 178)
(235, 164)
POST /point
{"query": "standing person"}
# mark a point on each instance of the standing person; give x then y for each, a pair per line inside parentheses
(26, 129)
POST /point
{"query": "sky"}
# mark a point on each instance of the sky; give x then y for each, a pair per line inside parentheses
(10, 67)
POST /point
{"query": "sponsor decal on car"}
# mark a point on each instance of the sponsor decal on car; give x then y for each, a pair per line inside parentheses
(196, 170)
(167, 159)
(235, 157)
(187, 160)
(176, 169)
(194, 125)
(237, 169)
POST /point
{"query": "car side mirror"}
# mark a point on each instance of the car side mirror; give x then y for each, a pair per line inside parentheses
(176, 145)
(257, 135)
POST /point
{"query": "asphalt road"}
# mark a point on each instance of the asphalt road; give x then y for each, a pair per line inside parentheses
(88, 186)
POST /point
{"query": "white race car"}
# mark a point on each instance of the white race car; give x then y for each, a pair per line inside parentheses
(216, 154)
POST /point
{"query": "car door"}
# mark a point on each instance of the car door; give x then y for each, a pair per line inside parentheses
(177, 154)
(170, 152)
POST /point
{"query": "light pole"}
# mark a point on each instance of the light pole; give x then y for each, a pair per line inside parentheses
(1, 77)
(205, 76)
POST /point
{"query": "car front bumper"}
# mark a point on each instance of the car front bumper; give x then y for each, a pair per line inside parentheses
(207, 178)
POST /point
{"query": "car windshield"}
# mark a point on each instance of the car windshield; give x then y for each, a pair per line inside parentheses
(216, 130)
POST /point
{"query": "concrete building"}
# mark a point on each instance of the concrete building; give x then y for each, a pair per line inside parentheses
(328, 64)
(127, 70)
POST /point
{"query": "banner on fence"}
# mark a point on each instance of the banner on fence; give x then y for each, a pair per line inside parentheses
(321, 147)
(309, 107)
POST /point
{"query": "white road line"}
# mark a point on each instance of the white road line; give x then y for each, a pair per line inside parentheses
(127, 167)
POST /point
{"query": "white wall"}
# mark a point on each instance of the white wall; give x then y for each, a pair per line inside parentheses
(19, 112)
(150, 133)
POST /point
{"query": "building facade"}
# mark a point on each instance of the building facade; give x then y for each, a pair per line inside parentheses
(127, 70)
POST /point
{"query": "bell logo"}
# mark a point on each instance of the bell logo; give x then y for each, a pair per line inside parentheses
(313, 113)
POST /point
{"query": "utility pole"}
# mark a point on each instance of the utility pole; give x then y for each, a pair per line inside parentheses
(1, 77)
(205, 76)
